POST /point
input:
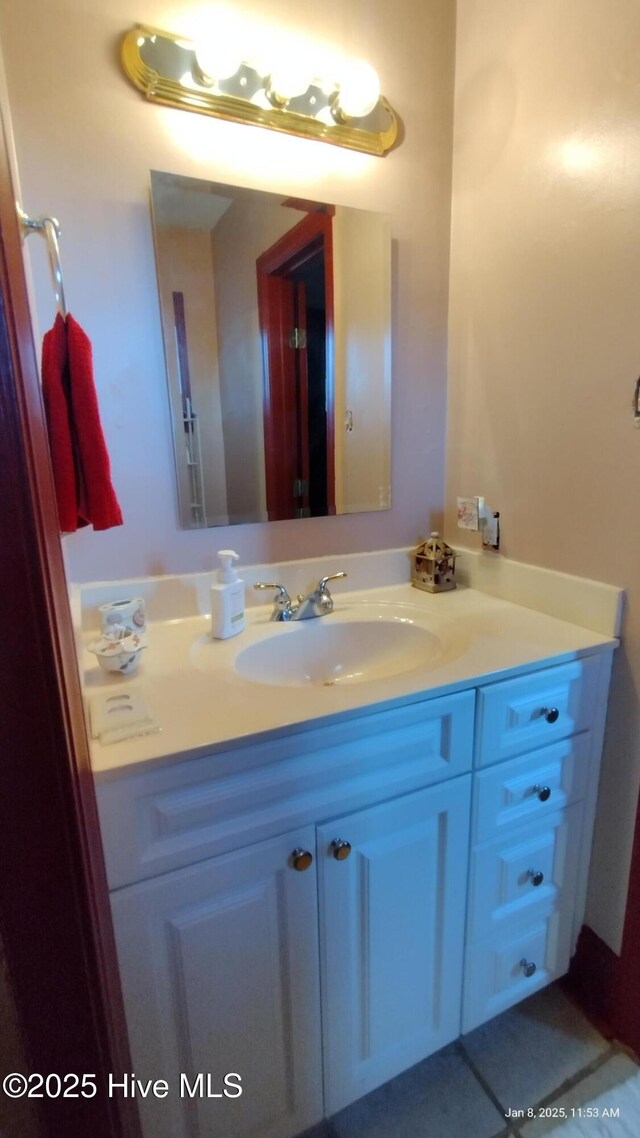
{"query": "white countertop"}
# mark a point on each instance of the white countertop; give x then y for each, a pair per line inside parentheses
(204, 704)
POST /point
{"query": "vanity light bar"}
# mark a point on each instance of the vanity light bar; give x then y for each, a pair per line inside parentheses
(173, 71)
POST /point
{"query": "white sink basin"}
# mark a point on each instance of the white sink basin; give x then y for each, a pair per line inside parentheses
(328, 651)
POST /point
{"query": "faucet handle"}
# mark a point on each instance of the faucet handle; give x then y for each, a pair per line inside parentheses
(322, 585)
(323, 598)
(282, 609)
(282, 594)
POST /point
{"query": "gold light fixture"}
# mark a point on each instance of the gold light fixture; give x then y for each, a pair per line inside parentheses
(213, 79)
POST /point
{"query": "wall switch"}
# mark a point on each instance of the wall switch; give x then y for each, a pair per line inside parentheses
(474, 514)
(491, 531)
(469, 511)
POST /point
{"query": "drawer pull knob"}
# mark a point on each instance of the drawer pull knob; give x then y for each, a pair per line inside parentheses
(301, 859)
(527, 966)
(543, 792)
(551, 714)
(340, 849)
(536, 876)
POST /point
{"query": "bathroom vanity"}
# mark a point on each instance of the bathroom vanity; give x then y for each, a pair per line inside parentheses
(346, 874)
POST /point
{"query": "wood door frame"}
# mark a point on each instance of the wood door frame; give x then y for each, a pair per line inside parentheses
(312, 233)
(55, 922)
(275, 309)
(607, 986)
(303, 395)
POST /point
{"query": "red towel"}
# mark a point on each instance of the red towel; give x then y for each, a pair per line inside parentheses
(54, 366)
(81, 468)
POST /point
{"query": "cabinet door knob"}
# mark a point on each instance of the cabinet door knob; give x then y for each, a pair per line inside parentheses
(340, 849)
(550, 713)
(527, 966)
(543, 792)
(536, 876)
(301, 859)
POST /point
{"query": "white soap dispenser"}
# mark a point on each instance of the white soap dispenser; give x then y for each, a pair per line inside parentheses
(227, 599)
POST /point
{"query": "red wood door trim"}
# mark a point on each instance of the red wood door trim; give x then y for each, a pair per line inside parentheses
(330, 367)
(295, 246)
(313, 233)
(276, 308)
(302, 388)
(55, 921)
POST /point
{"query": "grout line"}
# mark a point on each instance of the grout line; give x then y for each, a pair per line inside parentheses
(573, 1080)
(507, 1131)
(567, 1085)
(488, 1090)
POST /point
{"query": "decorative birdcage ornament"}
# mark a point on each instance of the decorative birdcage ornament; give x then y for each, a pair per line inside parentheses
(434, 565)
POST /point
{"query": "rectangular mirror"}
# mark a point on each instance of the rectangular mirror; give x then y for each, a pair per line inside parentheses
(276, 316)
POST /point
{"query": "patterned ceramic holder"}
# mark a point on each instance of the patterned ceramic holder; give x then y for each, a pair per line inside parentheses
(129, 614)
(120, 651)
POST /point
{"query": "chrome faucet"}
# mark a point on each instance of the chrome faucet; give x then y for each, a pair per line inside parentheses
(319, 602)
(283, 608)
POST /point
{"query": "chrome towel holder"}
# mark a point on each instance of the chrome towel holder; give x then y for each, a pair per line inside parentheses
(50, 228)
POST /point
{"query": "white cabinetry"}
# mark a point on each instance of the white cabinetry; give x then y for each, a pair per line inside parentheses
(391, 936)
(219, 964)
(529, 833)
(318, 983)
(521, 910)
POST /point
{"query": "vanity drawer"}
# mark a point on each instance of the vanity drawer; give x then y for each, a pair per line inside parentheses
(511, 877)
(532, 787)
(177, 815)
(530, 711)
(496, 967)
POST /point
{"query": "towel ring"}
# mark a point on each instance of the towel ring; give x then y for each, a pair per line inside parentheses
(50, 227)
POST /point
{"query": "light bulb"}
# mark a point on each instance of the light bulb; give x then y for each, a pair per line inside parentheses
(359, 90)
(216, 61)
(288, 78)
(325, 115)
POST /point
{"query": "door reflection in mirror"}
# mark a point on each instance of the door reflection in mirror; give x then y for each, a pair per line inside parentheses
(295, 306)
(276, 321)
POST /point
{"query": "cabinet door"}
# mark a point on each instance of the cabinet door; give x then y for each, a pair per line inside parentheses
(219, 965)
(392, 930)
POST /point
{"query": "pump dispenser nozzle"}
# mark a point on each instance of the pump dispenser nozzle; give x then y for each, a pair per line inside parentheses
(227, 573)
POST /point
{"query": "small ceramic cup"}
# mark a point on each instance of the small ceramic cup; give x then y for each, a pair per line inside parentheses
(122, 655)
(129, 614)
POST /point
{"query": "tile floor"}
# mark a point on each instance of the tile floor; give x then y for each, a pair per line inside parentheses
(541, 1053)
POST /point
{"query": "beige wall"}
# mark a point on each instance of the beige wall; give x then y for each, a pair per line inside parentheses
(185, 265)
(247, 229)
(86, 141)
(544, 326)
(362, 303)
